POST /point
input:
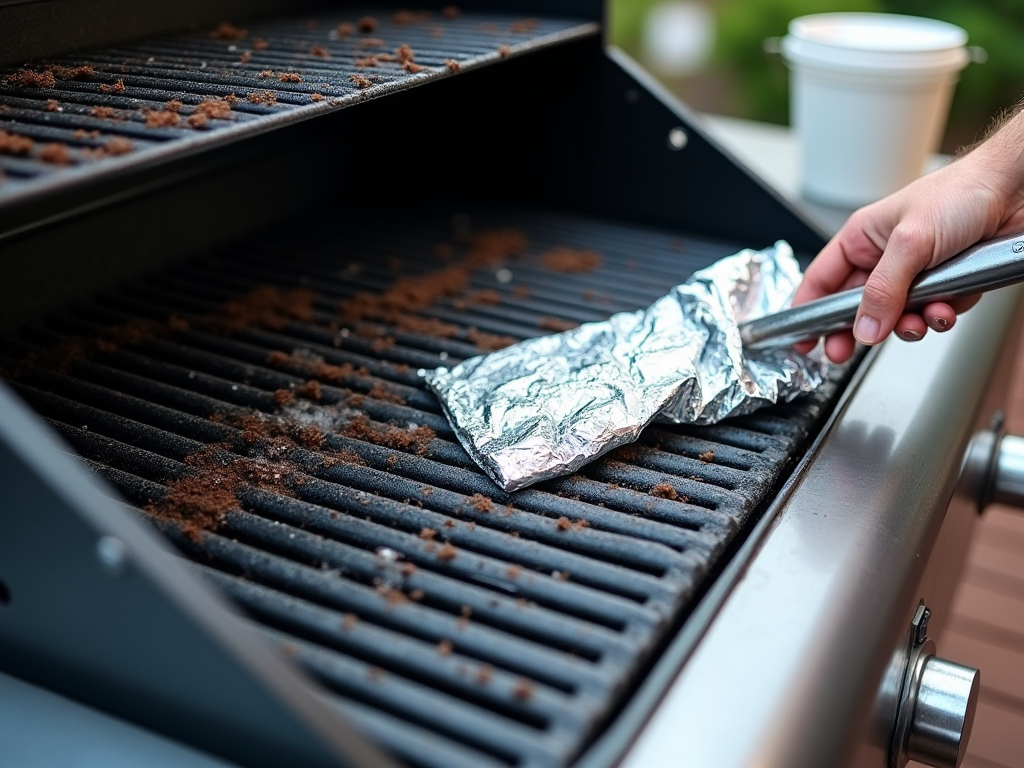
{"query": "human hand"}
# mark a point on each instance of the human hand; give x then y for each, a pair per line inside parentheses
(884, 246)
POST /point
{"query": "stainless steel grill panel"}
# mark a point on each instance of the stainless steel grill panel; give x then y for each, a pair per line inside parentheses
(540, 655)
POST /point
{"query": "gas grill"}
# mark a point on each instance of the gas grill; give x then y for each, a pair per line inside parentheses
(229, 253)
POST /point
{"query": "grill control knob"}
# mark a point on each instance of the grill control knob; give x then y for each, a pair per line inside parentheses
(943, 712)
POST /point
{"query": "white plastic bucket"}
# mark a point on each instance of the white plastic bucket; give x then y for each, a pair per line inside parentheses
(870, 96)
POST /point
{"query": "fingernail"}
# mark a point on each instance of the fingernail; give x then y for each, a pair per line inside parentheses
(941, 322)
(866, 329)
(911, 335)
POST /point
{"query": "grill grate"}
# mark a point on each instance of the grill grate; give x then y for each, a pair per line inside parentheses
(99, 122)
(510, 635)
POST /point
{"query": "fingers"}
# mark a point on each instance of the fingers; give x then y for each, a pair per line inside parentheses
(911, 327)
(839, 347)
(885, 292)
(844, 262)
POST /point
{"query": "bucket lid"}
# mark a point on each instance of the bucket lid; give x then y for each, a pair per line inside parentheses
(876, 41)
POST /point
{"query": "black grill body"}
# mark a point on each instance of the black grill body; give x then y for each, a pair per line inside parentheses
(452, 623)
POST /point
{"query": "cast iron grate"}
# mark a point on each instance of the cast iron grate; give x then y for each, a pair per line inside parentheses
(507, 636)
(102, 110)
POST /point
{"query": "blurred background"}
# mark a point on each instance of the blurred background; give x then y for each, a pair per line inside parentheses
(711, 53)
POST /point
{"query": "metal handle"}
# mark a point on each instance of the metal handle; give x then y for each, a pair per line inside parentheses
(983, 267)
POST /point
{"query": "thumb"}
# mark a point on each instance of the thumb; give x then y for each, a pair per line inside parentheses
(885, 292)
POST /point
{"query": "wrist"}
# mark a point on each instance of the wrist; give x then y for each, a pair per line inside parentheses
(999, 161)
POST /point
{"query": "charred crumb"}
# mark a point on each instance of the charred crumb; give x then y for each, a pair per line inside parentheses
(504, 51)
(309, 390)
(345, 29)
(560, 575)
(15, 144)
(348, 621)
(444, 648)
(228, 31)
(265, 74)
(367, 24)
(522, 690)
(403, 18)
(259, 44)
(484, 674)
(408, 569)
(392, 597)
(55, 153)
(308, 364)
(117, 87)
(404, 53)
(52, 105)
(565, 260)
(197, 120)
(488, 341)
(449, 523)
(426, 490)
(104, 113)
(316, 97)
(230, 98)
(262, 97)
(477, 298)
(427, 534)
(580, 524)
(417, 595)
(362, 62)
(707, 457)
(284, 396)
(360, 82)
(555, 324)
(452, 65)
(160, 118)
(664, 491)
(521, 291)
(563, 524)
(215, 109)
(389, 436)
(117, 145)
(447, 553)
(481, 503)
(72, 73)
(612, 486)
(320, 52)
(173, 105)
(412, 68)
(245, 57)
(524, 26)
(26, 78)
(380, 392)
(513, 572)
(370, 42)
(290, 77)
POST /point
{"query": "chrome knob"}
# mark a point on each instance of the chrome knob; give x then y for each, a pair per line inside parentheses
(1008, 483)
(943, 712)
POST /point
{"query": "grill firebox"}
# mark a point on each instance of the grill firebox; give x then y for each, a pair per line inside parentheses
(458, 624)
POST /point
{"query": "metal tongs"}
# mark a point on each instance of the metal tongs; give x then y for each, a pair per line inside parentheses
(983, 267)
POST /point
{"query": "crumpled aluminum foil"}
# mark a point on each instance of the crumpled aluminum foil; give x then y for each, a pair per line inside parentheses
(547, 406)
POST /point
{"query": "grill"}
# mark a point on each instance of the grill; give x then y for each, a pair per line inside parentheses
(109, 111)
(457, 624)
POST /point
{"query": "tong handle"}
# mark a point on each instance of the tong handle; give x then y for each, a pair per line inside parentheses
(983, 267)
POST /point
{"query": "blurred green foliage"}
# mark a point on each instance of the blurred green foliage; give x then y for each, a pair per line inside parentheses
(760, 80)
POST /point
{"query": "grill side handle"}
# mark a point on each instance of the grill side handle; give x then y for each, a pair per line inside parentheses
(983, 267)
